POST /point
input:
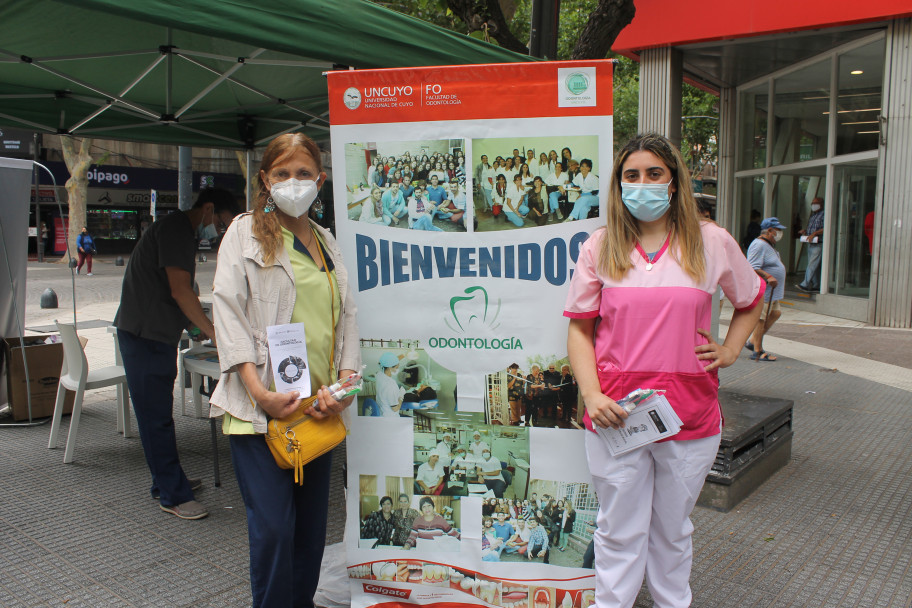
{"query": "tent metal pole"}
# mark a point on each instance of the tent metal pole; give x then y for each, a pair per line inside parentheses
(184, 177)
(249, 172)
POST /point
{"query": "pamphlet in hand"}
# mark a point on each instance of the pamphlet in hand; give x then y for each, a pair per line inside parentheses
(651, 420)
(288, 353)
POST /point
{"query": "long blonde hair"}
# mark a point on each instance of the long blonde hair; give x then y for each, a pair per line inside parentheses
(622, 229)
(266, 227)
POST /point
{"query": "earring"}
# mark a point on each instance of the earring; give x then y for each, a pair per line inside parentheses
(269, 207)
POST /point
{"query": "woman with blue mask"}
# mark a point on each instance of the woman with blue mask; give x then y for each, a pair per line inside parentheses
(640, 307)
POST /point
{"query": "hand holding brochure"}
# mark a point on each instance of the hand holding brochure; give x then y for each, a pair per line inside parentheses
(288, 353)
(651, 420)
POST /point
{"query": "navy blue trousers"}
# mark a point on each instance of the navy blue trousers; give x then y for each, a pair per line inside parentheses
(286, 523)
(151, 368)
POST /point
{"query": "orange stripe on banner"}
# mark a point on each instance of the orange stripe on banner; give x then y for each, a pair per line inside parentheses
(491, 91)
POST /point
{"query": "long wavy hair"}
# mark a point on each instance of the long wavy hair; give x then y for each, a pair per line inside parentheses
(266, 227)
(623, 232)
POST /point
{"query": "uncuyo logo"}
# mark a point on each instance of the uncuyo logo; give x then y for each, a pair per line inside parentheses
(352, 98)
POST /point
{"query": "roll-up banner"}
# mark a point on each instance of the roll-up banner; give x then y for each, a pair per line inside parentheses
(467, 475)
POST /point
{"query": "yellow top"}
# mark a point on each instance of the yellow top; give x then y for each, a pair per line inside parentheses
(312, 301)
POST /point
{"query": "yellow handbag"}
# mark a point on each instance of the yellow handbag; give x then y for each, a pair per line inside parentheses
(299, 438)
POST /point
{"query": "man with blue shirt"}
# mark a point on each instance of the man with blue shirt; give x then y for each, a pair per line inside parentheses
(502, 527)
(765, 260)
(394, 205)
(437, 194)
(814, 234)
(406, 187)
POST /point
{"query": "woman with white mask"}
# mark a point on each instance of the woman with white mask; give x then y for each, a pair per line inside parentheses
(276, 266)
(640, 307)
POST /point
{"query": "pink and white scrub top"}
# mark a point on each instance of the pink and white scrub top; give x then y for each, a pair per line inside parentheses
(648, 320)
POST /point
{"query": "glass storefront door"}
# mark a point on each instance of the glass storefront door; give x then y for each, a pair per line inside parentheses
(792, 195)
(851, 245)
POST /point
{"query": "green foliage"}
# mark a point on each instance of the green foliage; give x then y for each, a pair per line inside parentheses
(432, 11)
(700, 136)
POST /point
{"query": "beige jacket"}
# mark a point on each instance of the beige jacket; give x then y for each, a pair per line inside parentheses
(248, 297)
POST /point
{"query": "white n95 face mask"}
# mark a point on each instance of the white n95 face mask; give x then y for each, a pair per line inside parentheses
(294, 196)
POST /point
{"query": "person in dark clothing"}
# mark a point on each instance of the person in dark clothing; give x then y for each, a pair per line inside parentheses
(157, 303)
(753, 229)
(568, 393)
(550, 393)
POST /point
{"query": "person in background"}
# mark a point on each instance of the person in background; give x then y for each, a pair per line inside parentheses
(406, 187)
(587, 184)
(157, 303)
(430, 475)
(85, 250)
(491, 543)
(389, 393)
(515, 206)
(568, 393)
(538, 542)
(514, 393)
(403, 517)
(380, 524)
(421, 211)
(566, 523)
(814, 234)
(372, 208)
(478, 446)
(276, 266)
(566, 158)
(765, 260)
(536, 199)
(394, 205)
(485, 182)
(491, 471)
(557, 183)
(752, 230)
(429, 525)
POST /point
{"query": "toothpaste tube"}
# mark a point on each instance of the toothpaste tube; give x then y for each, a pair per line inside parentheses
(636, 397)
(347, 386)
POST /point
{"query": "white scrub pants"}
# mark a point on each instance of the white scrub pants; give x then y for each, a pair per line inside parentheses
(645, 500)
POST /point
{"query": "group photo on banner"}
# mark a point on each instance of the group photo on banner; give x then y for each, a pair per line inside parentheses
(461, 218)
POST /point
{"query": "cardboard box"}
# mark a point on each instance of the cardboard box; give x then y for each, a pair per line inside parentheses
(44, 363)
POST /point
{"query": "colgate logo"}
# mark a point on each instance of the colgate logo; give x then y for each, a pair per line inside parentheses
(102, 177)
(400, 593)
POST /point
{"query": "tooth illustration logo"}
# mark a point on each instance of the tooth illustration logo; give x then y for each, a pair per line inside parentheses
(470, 309)
(474, 315)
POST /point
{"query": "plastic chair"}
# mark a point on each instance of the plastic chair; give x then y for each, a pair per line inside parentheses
(75, 376)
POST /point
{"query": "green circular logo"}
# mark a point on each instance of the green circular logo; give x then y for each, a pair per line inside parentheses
(577, 83)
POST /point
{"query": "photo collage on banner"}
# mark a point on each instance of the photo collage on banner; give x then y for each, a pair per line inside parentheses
(465, 213)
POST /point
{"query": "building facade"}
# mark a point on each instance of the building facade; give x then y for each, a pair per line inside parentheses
(815, 101)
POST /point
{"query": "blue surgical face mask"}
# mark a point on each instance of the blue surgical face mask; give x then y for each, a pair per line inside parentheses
(208, 232)
(646, 202)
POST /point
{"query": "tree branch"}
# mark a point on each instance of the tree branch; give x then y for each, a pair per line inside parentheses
(603, 27)
(487, 15)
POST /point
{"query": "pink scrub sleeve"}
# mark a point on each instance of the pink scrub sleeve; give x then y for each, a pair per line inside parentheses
(741, 284)
(584, 297)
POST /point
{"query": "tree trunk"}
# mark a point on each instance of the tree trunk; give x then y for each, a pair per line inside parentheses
(78, 160)
(489, 16)
(603, 27)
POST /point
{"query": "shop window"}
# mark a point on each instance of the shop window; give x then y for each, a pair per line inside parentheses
(858, 104)
(801, 114)
(754, 115)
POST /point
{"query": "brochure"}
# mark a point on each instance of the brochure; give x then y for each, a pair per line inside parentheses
(288, 353)
(652, 419)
